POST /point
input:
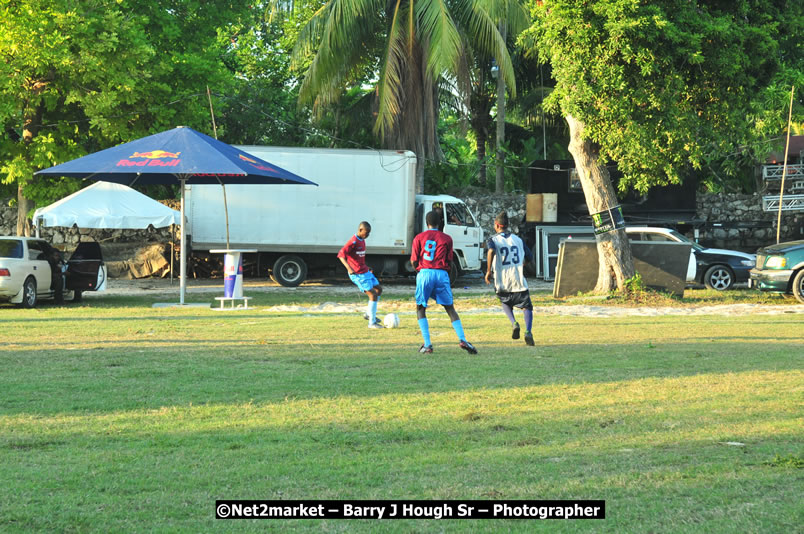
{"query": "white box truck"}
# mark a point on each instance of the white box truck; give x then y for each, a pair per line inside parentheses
(293, 227)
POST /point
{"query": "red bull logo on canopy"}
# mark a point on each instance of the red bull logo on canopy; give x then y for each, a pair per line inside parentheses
(154, 158)
(256, 165)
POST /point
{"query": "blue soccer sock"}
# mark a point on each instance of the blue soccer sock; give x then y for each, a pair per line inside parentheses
(528, 320)
(458, 327)
(372, 311)
(424, 326)
(509, 312)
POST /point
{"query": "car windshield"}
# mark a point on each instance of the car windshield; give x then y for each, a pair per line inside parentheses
(10, 248)
(684, 239)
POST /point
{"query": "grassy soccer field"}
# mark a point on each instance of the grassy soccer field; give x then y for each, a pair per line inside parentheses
(115, 416)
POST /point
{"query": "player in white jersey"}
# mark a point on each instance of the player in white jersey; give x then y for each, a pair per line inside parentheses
(506, 258)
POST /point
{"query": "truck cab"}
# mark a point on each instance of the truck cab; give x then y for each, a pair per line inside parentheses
(459, 223)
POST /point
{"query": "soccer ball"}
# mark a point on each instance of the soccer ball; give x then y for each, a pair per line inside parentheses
(391, 321)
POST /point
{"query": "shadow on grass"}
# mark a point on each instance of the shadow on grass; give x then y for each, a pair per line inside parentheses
(150, 374)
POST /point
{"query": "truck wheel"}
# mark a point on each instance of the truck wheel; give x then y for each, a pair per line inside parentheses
(719, 277)
(28, 293)
(454, 272)
(798, 286)
(289, 271)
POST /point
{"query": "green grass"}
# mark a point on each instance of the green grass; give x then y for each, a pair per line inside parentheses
(400, 298)
(115, 416)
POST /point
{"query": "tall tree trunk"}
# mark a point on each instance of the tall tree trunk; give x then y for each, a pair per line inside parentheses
(500, 183)
(616, 263)
(480, 144)
(419, 175)
(23, 207)
(416, 128)
(30, 128)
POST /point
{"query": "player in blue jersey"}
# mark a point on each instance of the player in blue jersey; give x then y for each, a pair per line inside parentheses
(431, 256)
(506, 256)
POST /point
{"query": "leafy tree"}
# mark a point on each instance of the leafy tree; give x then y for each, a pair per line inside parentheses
(261, 108)
(80, 75)
(56, 61)
(655, 86)
(459, 168)
(403, 49)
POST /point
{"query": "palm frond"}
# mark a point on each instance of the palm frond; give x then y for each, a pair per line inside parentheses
(389, 87)
(438, 28)
(486, 38)
(336, 32)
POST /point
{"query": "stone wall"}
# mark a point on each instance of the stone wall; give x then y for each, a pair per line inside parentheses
(486, 207)
(66, 238)
(745, 226)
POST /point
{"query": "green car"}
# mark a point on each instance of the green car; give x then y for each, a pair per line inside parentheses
(780, 268)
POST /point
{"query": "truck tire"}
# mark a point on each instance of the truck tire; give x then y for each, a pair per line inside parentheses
(289, 271)
(28, 293)
(454, 273)
(798, 286)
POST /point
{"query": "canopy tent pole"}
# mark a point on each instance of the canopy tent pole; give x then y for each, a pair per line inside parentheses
(182, 155)
(182, 249)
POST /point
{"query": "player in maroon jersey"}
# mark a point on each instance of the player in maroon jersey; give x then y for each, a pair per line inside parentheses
(353, 257)
(432, 256)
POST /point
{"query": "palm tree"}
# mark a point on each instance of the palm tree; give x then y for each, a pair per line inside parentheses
(402, 48)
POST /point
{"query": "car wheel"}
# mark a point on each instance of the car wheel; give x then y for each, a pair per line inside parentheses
(29, 293)
(798, 286)
(719, 277)
(289, 271)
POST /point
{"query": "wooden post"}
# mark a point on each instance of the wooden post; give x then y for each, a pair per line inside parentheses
(784, 167)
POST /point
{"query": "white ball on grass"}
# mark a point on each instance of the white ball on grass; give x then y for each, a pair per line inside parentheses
(391, 321)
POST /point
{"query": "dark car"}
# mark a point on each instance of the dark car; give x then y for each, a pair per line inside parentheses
(713, 267)
(780, 269)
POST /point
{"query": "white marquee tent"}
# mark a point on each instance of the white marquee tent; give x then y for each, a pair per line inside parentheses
(106, 205)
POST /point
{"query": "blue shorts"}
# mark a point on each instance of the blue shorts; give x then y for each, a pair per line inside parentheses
(433, 284)
(365, 281)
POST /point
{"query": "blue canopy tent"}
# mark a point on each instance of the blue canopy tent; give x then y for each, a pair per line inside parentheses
(179, 156)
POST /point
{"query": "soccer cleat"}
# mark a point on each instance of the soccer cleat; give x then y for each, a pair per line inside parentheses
(515, 331)
(468, 347)
(376, 320)
(426, 349)
(376, 326)
(528, 339)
